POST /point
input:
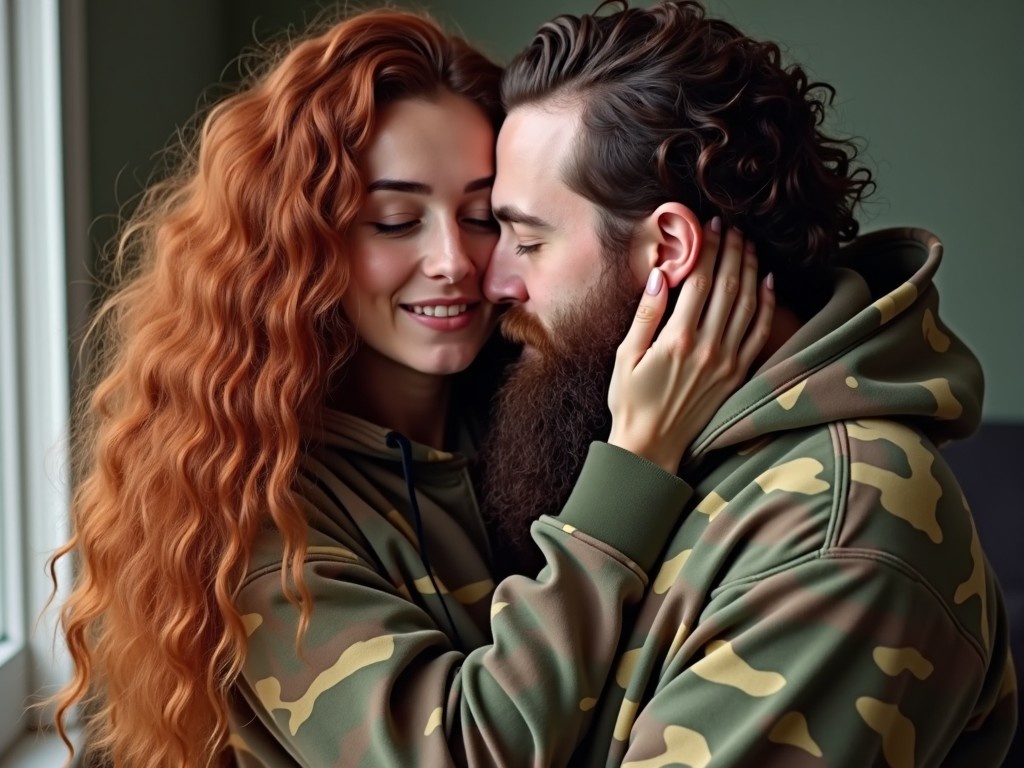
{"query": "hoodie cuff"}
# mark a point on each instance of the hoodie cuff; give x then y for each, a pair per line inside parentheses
(627, 502)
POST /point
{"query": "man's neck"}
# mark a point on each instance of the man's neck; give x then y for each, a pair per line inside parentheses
(785, 323)
(391, 395)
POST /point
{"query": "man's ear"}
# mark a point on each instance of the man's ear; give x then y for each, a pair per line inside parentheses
(670, 238)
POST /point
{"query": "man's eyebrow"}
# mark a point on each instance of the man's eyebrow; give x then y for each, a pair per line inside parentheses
(419, 188)
(512, 215)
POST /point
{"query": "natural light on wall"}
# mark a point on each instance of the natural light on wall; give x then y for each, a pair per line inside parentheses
(33, 356)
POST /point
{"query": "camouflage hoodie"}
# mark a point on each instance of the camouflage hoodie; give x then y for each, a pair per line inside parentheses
(409, 665)
(825, 601)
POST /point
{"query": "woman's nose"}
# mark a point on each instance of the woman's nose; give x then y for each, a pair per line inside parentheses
(448, 259)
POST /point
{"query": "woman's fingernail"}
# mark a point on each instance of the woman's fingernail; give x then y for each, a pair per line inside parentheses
(770, 281)
(716, 224)
(749, 246)
(654, 282)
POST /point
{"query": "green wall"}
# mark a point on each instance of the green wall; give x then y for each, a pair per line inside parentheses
(932, 85)
(148, 64)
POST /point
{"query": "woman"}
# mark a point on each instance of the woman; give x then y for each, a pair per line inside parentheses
(281, 557)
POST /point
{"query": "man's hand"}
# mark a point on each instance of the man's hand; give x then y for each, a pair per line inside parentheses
(665, 390)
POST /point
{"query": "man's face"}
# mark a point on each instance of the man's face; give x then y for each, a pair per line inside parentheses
(549, 256)
(572, 303)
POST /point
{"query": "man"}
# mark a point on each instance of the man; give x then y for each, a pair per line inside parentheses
(825, 600)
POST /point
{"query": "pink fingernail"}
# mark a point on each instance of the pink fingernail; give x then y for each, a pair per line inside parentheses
(654, 282)
(716, 224)
(770, 281)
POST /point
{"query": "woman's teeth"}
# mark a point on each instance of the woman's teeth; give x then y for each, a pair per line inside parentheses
(440, 311)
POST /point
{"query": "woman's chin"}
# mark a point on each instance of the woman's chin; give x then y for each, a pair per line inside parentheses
(447, 362)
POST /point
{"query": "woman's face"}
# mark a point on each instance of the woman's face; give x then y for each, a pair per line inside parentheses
(419, 246)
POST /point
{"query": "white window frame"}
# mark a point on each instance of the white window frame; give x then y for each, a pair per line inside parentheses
(34, 410)
(13, 667)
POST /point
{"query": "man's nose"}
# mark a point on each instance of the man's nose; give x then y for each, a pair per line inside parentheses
(448, 259)
(502, 282)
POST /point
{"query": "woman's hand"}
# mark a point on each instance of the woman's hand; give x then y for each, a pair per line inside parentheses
(665, 390)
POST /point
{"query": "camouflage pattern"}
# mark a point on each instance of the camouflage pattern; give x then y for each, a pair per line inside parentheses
(381, 677)
(826, 601)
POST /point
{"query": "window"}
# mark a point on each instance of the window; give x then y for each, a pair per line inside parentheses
(33, 353)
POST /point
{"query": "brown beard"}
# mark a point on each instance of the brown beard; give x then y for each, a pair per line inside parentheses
(551, 407)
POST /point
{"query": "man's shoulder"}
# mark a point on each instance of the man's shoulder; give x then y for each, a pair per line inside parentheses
(872, 489)
(762, 506)
(872, 484)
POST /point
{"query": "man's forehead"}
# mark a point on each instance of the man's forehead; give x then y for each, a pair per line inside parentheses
(539, 130)
(533, 146)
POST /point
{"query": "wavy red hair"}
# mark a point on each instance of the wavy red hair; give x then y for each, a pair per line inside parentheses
(215, 351)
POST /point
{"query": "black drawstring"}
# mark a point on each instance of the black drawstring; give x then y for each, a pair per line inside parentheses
(400, 441)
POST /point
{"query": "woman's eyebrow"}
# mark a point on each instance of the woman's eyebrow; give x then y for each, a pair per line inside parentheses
(419, 188)
(395, 185)
(485, 183)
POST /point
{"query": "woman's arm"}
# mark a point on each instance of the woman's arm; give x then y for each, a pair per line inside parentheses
(378, 682)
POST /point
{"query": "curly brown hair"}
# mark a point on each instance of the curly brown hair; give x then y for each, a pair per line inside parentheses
(679, 106)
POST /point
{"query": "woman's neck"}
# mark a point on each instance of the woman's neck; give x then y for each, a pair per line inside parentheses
(391, 395)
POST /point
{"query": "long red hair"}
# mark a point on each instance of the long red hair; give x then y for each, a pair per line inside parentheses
(215, 351)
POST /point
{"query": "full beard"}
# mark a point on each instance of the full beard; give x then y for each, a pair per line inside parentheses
(551, 407)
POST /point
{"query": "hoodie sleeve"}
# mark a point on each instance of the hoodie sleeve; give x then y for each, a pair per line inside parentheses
(377, 683)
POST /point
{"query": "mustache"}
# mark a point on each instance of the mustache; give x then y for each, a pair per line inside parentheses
(520, 327)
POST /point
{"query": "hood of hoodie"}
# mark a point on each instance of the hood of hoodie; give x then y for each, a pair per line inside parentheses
(877, 349)
(362, 452)
(351, 433)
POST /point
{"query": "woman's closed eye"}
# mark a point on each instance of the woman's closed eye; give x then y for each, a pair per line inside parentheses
(394, 229)
(482, 221)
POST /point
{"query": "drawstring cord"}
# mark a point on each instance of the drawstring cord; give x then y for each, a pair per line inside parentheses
(400, 441)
